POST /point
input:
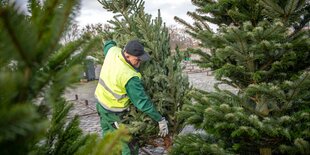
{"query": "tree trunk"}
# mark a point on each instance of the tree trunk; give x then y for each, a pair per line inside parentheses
(265, 151)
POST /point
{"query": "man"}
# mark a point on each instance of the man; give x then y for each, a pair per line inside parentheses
(119, 82)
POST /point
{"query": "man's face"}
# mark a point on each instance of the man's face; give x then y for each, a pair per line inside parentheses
(135, 61)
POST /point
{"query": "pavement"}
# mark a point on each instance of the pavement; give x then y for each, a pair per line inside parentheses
(82, 96)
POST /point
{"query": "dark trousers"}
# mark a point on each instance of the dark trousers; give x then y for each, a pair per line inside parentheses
(107, 120)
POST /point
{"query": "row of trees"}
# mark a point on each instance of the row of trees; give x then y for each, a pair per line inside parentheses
(41, 55)
(260, 48)
(178, 37)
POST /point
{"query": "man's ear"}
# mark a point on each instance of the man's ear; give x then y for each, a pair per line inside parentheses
(126, 54)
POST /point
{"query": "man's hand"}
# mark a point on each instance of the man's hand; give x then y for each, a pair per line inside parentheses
(163, 127)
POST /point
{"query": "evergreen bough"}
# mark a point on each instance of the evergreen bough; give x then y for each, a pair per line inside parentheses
(35, 69)
(162, 76)
(262, 49)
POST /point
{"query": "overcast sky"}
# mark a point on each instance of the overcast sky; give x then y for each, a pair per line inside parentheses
(92, 12)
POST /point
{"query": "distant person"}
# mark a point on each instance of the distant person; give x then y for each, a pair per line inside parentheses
(119, 82)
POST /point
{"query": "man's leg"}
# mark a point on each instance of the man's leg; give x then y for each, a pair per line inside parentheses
(106, 122)
(134, 147)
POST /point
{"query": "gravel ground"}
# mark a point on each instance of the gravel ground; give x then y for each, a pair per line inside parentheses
(205, 82)
(84, 105)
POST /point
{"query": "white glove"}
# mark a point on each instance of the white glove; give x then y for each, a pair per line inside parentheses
(163, 127)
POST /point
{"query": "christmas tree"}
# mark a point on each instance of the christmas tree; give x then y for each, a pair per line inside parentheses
(162, 75)
(35, 69)
(262, 49)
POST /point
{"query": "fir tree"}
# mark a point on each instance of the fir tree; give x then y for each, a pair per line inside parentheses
(35, 69)
(162, 75)
(261, 49)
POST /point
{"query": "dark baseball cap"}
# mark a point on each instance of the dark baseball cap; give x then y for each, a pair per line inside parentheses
(135, 48)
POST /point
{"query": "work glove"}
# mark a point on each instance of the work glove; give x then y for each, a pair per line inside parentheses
(163, 127)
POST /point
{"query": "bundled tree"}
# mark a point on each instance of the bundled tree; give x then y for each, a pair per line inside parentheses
(262, 50)
(35, 69)
(162, 76)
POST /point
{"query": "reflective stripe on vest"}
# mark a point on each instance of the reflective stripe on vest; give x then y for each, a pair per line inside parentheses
(118, 97)
(111, 109)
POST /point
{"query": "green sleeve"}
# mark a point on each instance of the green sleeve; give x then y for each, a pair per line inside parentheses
(138, 97)
(107, 45)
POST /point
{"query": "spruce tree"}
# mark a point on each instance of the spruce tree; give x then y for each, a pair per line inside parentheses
(262, 49)
(162, 75)
(35, 69)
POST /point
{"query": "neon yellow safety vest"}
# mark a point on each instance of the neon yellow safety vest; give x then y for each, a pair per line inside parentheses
(114, 75)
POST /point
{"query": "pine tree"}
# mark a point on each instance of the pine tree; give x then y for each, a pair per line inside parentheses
(35, 69)
(262, 49)
(162, 75)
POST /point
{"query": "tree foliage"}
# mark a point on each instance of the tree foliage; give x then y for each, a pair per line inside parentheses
(162, 75)
(35, 69)
(262, 49)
